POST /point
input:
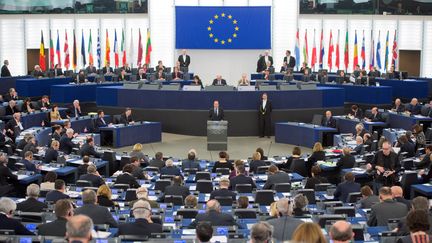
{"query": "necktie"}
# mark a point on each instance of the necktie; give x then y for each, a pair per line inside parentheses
(103, 121)
(76, 112)
(216, 111)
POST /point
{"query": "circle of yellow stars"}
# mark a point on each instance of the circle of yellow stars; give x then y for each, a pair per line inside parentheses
(231, 37)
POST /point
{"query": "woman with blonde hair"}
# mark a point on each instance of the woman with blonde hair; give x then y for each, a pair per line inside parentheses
(317, 155)
(137, 152)
(273, 212)
(308, 232)
(104, 195)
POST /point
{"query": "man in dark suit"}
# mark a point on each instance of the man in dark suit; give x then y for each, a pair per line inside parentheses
(64, 211)
(58, 72)
(191, 162)
(5, 70)
(12, 108)
(98, 214)
(51, 154)
(368, 198)
(100, 121)
(346, 187)
(126, 117)
(66, 144)
(418, 203)
(223, 190)
(264, 116)
(31, 204)
(184, 60)
(398, 106)
(7, 178)
(44, 103)
(127, 177)
(241, 178)
(284, 225)
(214, 215)
(75, 110)
(88, 149)
(7, 222)
(347, 160)
(216, 113)
(90, 69)
(219, 80)
(56, 135)
(375, 115)
(141, 75)
(386, 209)
(31, 146)
(275, 176)
(107, 69)
(289, 60)
(93, 176)
(28, 162)
(263, 60)
(170, 169)
(143, 224)
(14, 127)
(328, 120)
(176, 189)
(398, 196)
(37, 72)
(11, 95)
(157, 161)
(414, 108)
(58, 192)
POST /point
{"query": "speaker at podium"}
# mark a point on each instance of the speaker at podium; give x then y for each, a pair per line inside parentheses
(217, 135)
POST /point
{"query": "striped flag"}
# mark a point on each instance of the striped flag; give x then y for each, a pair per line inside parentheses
(123, 49)
(314, 53)
(83, 54)
(378, 51)
(321, 50)
(58, 49)
(346, 51)
(337, 63)
(372, 53)
(363, 52)
(116, 54)
(74, 52)
(140, 49)
(131, 49)
(99, 51)
(51, 52)
(90, 49)
(107, 49)
(66, 52)
(305, 49)
(395, 51)
(42, 63)
(330, 54)
(148, 47)
(386, 52)
(355, 57)
(297, 49)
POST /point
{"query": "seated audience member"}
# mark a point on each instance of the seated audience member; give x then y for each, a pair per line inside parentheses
(300, 205)
(273, 213)
(107, 69)
(398, 106)
(197, 81)
(304, 67)
(222, 162)
(419, 227)
(27, 106)
(261, 152)
(406, 146)
(66, 144)
(346, 187)
(58, 192)
(92, 176)
(44, 103)
(160, 67)
(7, 220)
(90, 69)
(414, 108)
(7, 178)
(55, 114)
(315, 179)
(138, 153)
(127, 68)
(138, 171)
(261, 232)
(127, 178)
(285, 225)
(126, 117)
(63, 210)
(82, 169)
(368, 140)
(31, 204)
(219, 80)
(23, 142)
(243, 202)
(223, 190)
(398, 196)
(177, 188)
(98, 214)
(142, 194)
(204, 232)
(75, 110)
(420, 137)
(241, 178)
(368, 199)
(56, 135)
(49, 181)
(418, 204)
(317, 153)
(425, 160)
(234, 172)
(191, 202)
(37, 72)
(12, 108)
(31, 146)
(160, 75)
(328, 120)
(122, 76)
(104, 196)
(307, 76)
(176, 74)
(244, 81)
(191, 162)
(141, 74)
(88, 149)
(386, 209)
(275, 176)
(342, 78)
(308, 232)
(295, 154)
(11, 95)
(355, 113)
(81, 77)
(347, 160)
(256, 162)
(157, 161)
(266, 75)
(359, 149)
(14, 126)
(170, 169)
(51, 154)
(359, 130)
(100, 120)
(375, 116)
(79, 229)
(29, 163)
(341, 231)
(143, 224)
(214, 215)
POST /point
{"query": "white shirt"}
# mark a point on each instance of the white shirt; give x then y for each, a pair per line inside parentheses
(264, 104)
(20, 125)
(266, 59)
(184, 58)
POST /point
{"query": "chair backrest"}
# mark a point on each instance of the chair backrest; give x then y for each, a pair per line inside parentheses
(191, 171)
(202, 175)
(30, 217)
(160, 185)
(124, 161)
(223, 171)
(176, 200)
(309, 194)
(408, 179)
(225, 200)
(123, 187)
(316, 120)
(83, 183)
(167, 177)
(322, 187)
(243, 188)
(188, 213)
(298, 166)
(262, 169)
(353, 197)
(245, 213)
(264, 197)
(151, 169)
(130, 195)
(204, 186)
(348, 211)
(282, 187)
(137, 238)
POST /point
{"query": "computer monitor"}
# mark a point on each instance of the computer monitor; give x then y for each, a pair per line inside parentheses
(316, 120)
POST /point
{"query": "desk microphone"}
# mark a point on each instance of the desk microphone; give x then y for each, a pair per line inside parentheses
(151, 146)
(211, 157)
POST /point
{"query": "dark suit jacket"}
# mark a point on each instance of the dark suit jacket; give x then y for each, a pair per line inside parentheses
(104, 70)
(215, 218)
(415, 110)
(29, 165)
(190, 164)
(241, 179)
(345, 188)
(66, 144)
(267, 110)
(262, 65)
(30, 147)
(357, 114)
(177, 190)
(139, 227)
(6, 176)
(12, 125)
(50, 155)
(88, 150)
(57, 72)
(138, 173)
(99, 214)
(101, 122)
(345, 162)
(43, 105)
(127, 178)
(82, 169)
(254, 164)
(96, 181)
(38, 74)
(291, 62)
(328, 122)
(170, 171)
(54, 196)
(184, 63)
(369, 201)
(56, 136)
(222, 82)
(404, 201)
(157, 163)
(359, 149)
(278, 177)
(143, 76)
(11, 110)
(312, 181)
(13, 224)
(5, 71)
(73, 113)
(31, 205)
(54, 228)
(90, 70)
(400, 108)
(214, 117)
(376, 118)
(223, 193)
(383, 211)
(125, 120)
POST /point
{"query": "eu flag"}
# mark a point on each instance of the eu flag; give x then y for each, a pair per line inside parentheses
(223, 27)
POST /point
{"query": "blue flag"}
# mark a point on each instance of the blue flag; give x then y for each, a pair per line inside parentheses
(386, 52)
(378, 52)
(223, 27)
(98, 50)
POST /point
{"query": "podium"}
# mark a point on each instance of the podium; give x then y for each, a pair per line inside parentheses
(217, 139)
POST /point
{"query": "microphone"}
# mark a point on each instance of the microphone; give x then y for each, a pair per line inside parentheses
(151, 146)
(268, 151)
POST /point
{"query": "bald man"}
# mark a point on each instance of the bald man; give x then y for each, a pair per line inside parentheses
(184, 61)
(79, 228)
(328, 120)
(214, 215)
(397, 193)
(341, 232)
(398, 106)
(414, 108)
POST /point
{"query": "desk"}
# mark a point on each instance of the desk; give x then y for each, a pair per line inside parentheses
(346, 125)
(406, 122)
(360, 94)
(421, 190)
(35, 119)
(406, 89)
(9, 82)
(42, 135)
(301, 134)
(67, 93)
(392, 134)
(101, 165)
(68, 173)
(120, 136)
(34, 87)
(82, 123)
(28, 179)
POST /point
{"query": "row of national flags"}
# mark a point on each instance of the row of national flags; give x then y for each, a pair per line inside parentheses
(87, 53)
(374, 55)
